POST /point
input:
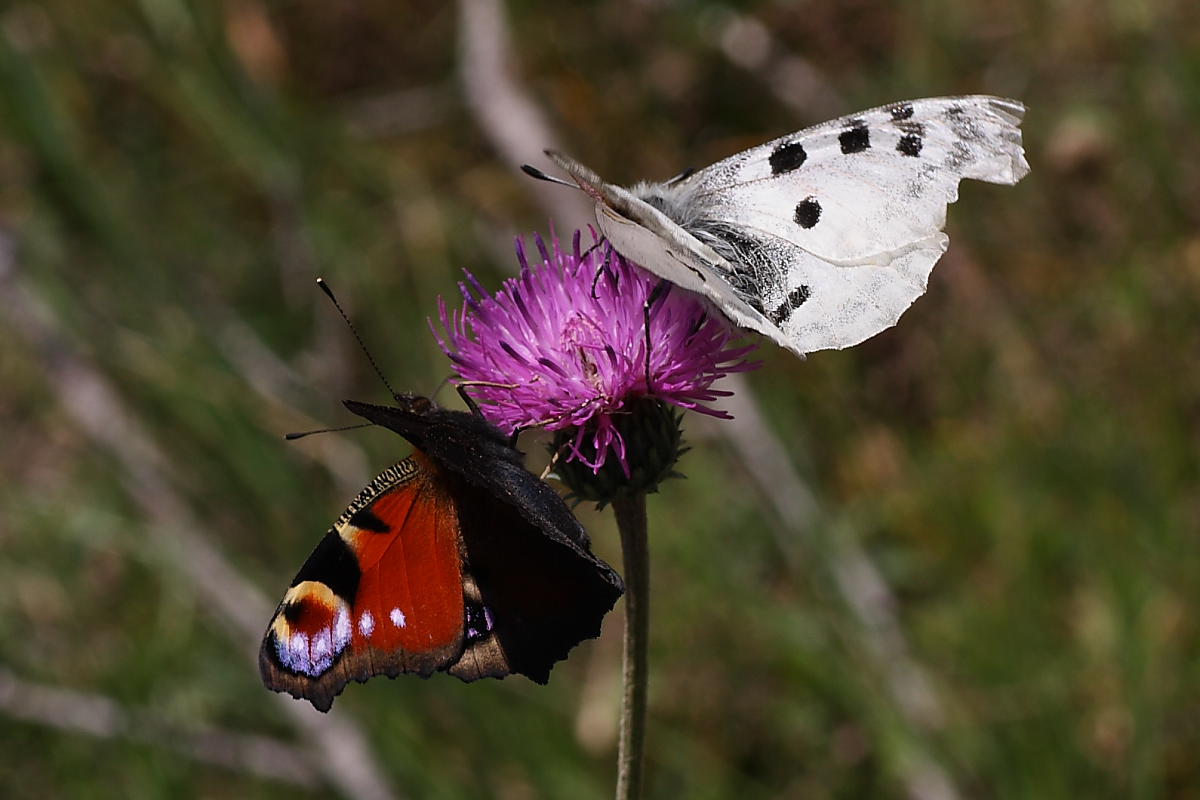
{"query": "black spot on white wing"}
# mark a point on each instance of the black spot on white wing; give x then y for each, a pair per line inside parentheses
(808, 212)
(856, 138)
(365, 519)
(901, 111)
(796, 298)
(787, 157)
(909, 145)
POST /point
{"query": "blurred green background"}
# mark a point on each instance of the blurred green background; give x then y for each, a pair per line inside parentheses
(958, 561)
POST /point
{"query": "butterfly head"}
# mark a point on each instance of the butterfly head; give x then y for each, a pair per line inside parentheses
(414, 403)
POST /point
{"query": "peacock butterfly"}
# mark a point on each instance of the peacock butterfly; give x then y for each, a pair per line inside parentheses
(456, 559)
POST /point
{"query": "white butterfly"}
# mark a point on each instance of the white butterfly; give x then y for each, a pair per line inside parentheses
(822, 238)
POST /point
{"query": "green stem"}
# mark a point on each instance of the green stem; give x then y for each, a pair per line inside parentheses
(631, 522)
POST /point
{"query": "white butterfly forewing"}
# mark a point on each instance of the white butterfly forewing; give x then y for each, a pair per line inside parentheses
(823, 238)
(855, 190)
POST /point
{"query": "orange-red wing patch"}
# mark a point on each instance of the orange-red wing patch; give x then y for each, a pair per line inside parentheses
(410, 598)
(381, 595)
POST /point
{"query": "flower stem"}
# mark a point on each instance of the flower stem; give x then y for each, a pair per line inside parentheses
(631, 522)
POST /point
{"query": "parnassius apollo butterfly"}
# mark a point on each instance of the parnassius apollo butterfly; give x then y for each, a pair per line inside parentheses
(821, 238)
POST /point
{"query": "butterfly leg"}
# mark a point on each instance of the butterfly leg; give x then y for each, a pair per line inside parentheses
(603, 267)
(474, 406)
(588, 252)
(555, 456)
(656, 294)
(470, 401)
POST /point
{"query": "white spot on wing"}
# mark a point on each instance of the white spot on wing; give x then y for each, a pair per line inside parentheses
(366, 624)
(321, 645)
(313, 654)
(341, 629)
(294, 651)
(397, 618)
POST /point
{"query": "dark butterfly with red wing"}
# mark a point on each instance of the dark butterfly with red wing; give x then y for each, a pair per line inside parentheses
(456, 559)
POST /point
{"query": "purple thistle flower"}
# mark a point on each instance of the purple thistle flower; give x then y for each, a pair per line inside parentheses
(563, 346)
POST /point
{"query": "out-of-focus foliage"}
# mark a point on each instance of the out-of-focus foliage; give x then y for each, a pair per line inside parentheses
(1019, 456)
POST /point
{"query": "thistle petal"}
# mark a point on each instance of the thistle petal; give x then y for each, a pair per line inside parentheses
(563, 346)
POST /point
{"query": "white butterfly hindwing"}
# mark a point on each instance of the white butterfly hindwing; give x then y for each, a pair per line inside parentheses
(822, 238)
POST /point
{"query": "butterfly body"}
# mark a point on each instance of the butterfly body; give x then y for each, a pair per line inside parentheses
(455, 559)
(822, 238)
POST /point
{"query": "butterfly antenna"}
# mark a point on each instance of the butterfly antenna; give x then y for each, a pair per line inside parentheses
(329, 293)
(534, 172)
(293, 436)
